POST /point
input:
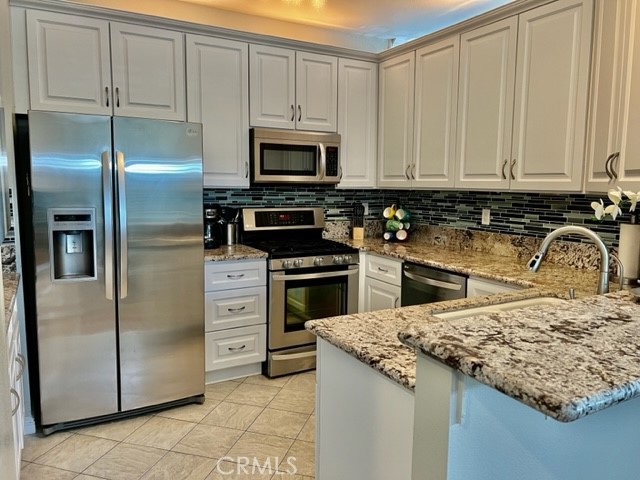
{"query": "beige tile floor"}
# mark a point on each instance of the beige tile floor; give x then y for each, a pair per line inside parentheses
(252, 428)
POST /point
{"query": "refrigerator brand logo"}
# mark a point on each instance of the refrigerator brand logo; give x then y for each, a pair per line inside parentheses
(192, 132)
(252, 466)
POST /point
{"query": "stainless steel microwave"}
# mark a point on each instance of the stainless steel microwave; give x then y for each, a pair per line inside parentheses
(290, 156)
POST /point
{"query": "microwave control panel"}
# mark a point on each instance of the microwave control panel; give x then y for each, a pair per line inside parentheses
(332, 161)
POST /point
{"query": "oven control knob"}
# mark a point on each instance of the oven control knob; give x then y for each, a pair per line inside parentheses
(286, 264)
(297, 262)
(338, 259)
(347, 259)
(318, 261)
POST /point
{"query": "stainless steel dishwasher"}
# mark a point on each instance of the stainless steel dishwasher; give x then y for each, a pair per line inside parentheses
(422, 284)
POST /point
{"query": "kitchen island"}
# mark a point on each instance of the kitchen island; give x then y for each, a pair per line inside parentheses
(370, 341)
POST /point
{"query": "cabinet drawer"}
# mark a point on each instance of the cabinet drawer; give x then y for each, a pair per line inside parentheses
(234, 274)
(235, 308)
(385, 269)
(234, 347)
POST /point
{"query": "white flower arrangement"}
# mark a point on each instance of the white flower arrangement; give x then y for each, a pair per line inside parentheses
(616, 197)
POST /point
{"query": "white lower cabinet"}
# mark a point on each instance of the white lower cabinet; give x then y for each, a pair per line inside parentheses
(235, 347)
(480, 286)
(382, 283)
(235, 318)
(16, 363)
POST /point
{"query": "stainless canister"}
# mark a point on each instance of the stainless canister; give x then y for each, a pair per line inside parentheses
(232, 232)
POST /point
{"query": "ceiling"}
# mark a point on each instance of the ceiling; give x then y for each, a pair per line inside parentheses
(396, 20)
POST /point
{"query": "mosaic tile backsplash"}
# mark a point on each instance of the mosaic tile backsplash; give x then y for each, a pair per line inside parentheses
(530, 214)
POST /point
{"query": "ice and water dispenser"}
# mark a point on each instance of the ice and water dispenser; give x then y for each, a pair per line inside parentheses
(72, 243)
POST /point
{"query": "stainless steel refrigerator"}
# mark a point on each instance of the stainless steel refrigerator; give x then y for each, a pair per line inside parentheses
(118, 260)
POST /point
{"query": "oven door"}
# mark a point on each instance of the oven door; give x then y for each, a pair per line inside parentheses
(297, 297)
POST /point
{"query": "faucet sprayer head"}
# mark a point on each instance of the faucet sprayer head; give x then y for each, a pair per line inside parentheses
(536, 260)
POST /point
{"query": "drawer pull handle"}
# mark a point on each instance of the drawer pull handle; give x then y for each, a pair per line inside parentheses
(236, 276)
(21, 362)
(383, 270)
(15, 409)
(236, 310)
(236, 349)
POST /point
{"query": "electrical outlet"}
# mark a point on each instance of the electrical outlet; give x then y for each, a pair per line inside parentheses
(486, 216)
(366, 208)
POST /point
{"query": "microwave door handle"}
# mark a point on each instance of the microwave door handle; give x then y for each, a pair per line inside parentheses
(323, 160)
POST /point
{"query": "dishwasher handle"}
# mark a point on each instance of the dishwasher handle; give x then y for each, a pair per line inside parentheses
(432, 281)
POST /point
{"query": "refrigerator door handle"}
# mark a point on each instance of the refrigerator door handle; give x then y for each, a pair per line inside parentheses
(122, 234)
(107, 200)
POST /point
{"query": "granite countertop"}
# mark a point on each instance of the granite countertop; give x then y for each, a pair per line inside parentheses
(373, 337)
(232, 252)
(10, 283)
(566, 361)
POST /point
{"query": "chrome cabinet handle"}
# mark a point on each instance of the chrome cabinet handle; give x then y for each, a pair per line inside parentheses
(246, 169)
(513, 163)
(123, 240)
(299, 113)
(293, 113)
(235, 276)
(21, 361)
(117, 97)
(432, 281)
(236, 349)
(504, 165)
(607, 165)
(106, 94)
(406, 172)
(107, 179)
(613, 159)
(17, 395)
(236, 310)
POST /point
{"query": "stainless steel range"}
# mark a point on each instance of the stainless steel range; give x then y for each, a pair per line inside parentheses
(309, 278)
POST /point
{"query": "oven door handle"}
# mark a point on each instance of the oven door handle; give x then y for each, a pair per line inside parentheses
(433, 282)
(293, 356)
(313, 276)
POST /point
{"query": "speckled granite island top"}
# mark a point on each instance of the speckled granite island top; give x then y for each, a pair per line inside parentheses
(232, 252)
(566, 361)
(10, 283)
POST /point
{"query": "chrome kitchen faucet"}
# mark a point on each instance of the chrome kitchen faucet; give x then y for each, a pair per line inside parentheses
(603, 281)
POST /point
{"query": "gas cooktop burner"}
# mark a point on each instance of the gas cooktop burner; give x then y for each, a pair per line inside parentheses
(297, 248)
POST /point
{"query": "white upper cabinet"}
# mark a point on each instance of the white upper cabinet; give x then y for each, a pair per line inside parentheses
(523, 126)
(613, 149)
(71, 63)
(554, 44)
(395, 120)
(485, 105)
(148, 72)
(218, 97)
(293, 90)
(357, 122)
(435, 114)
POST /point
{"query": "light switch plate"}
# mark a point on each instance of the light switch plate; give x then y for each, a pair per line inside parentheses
(486, 216)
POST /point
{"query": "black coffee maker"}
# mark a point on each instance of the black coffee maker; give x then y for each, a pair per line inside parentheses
(212, 227)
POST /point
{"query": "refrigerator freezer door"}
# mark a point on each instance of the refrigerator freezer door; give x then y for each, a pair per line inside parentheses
(161, 313)
(76, 329)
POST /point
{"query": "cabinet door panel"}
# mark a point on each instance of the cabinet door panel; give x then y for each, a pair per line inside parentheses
(316, 92)
(435, 120)
(551, 96)
(380, 295)
(628, 165)
(69, 63)
(218, 97)
(395, 120)
(148, 72)
(485, 105)
(272, 79)
(357, 122)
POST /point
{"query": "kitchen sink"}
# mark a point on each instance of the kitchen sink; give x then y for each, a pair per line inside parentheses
(500, 307)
